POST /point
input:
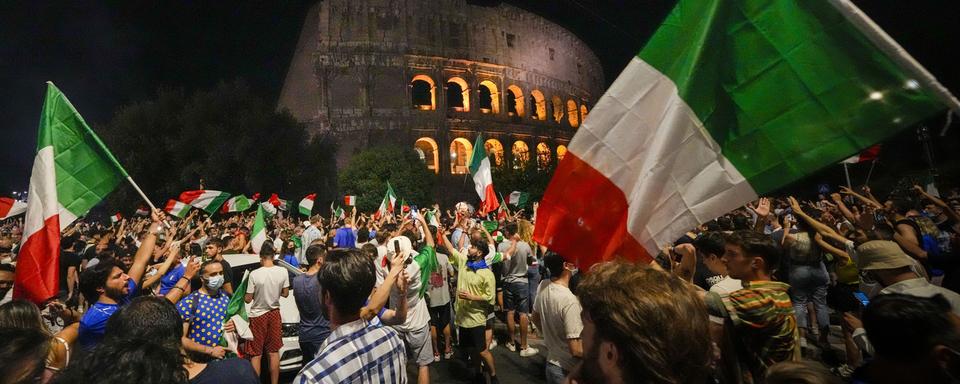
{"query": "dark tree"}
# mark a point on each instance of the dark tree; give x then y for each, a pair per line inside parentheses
(368, 172)
(228, 137)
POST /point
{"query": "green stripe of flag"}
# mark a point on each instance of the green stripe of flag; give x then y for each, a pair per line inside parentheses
(784, 87)
(86, 170)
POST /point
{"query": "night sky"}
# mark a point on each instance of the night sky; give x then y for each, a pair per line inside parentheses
(104, 55)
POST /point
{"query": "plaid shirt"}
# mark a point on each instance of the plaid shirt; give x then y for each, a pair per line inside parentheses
(357, 353)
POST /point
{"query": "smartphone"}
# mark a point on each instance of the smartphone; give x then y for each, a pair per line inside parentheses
(862, 298)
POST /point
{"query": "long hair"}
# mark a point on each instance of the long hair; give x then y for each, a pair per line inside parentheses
(22, 314)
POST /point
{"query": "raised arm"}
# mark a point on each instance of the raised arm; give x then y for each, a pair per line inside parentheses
(378, 299)
(843, 255)
(862, 198)
(850, 216)
(821, 228)
(142, 256)
(939, 203)
(173, 253)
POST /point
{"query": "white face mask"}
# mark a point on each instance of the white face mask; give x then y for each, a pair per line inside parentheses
(214, 283)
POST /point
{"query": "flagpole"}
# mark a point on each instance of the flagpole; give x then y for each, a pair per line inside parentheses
(846, 171)
(144, 196)
(872, 164)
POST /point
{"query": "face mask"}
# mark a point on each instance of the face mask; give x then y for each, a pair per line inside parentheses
(215, 282)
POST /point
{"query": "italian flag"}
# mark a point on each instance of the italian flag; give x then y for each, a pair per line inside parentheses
(205, 199)
(518, 198)
(339, 213)
(116, 217)
(268, 208)
(729, 100)
(482, 180)
(306, 205)
(350, 200)
(72, 171)
(259, 233)
(237, 203)
(389, 201)
(142, 211)
(866, 155)
(10, 207)
(177, 208)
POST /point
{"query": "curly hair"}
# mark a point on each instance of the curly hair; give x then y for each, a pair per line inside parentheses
(655, 320)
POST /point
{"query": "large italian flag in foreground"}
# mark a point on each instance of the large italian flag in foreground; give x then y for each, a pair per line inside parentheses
(728, 100)
(72, 172)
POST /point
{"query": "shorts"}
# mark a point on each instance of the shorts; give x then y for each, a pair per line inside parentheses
(440, 316)
(473, 339)
(266, 334)
(515, 296)
(418, 345)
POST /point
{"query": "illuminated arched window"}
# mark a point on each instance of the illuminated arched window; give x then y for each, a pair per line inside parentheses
(561, 151)
(543, 156)
(515, 105)
(423, 93)
(572, 113)
(538, 106)
(460, 152)
(427, 150)
(458, 95)
(557, 105)
(494, 151)
(583, 113)
(521, 154)
(489, 97)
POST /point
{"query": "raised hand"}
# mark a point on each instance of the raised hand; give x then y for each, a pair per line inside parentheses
(763, 207)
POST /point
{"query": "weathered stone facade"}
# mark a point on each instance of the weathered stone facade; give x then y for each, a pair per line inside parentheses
(395, 71)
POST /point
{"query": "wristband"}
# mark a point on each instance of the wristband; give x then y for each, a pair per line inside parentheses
(176, 287)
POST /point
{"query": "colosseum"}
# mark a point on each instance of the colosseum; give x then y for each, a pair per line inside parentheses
(434, 74)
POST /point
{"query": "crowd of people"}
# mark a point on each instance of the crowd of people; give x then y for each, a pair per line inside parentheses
(845, 287)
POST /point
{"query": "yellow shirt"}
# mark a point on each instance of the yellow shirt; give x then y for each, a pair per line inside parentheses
(472, 313)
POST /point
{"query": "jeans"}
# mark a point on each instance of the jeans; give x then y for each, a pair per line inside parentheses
(533, 281)
(309, 350)
(555, 374)
(809, 283)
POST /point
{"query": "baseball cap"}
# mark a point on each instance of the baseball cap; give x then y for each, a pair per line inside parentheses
(881, 254)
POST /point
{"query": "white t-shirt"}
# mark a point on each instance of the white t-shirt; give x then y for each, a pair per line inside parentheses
(265, 284)
(559, 312)
(726, 285)
(418, 316)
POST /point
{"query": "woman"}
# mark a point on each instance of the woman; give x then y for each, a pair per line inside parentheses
(24, 315)
(289, 253)
(807, 276)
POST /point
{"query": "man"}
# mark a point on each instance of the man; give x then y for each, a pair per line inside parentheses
(314, 327)
(265, 286)
(556, 313)
(69, 266)
(203, 312)
(354, 351)
(214, 251)
(516, 289)
(710, 249)
(917, 340)
(439, 298)
(310, 234)
(108, 287)
(476, 290)
(415, 331)
(174, 273)
(7, 277)
(640, 325)
(885, 263)
(346, 236)
(761, 313)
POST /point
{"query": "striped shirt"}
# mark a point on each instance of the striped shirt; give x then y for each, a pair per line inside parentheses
(763, 317)
(357, 353)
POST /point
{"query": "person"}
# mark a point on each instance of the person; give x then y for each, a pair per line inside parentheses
(314, 327)
(439, 298)
(800, 372)
(640, 325)
(761, 313)
(916, 339)
(69, 267)
(22, 354)
(415, 330)
(556, 312)
(8, 275)
(265, 286)
(476, 290)
(346, 236)
(25, 316)
(214, 251)
(143, 346)
(516, 290)
(203, 312)
(290, 253)
(310, 234)
(108, 288)
(710, 248)
(354, 351)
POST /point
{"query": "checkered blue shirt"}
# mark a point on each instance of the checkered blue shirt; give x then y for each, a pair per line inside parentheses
(358, 353)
